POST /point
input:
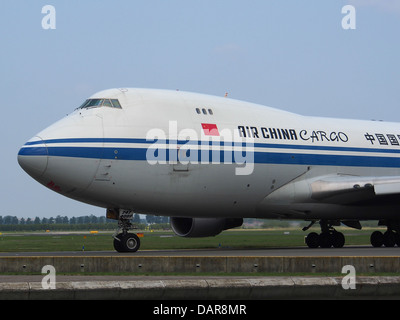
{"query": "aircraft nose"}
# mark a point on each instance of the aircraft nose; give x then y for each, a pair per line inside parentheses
(33, 157)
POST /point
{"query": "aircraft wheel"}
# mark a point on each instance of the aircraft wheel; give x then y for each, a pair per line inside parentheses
(338, 240)
(118, 244)
(377, 239)
(130, 242)
(389, 239)
(397, 236)
(325, 240)
(312, 240)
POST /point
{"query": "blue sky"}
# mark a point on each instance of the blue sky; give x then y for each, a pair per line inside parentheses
(291, 54)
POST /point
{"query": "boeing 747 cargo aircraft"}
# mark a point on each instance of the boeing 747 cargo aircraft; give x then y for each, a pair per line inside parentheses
(208, 162)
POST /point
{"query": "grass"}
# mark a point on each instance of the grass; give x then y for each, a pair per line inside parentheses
(162, 240)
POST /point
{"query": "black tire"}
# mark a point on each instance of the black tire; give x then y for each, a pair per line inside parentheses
(389, 239)
(338, 240)
(312, 240)
(377, 239)
(397, 236)
(325, 240)
(130, 242)
(117, 243)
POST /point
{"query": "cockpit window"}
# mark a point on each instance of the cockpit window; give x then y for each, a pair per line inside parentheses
(107, 103)
(96, 103)
(115, 103)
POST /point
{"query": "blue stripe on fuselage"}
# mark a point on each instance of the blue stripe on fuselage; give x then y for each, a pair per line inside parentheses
(140, 154)
(211, 143)
(34, 151)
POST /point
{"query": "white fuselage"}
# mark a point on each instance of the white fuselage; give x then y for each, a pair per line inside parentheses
(171, 153)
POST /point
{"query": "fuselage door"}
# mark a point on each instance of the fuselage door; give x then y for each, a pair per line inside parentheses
(180, 164)
(104, 170)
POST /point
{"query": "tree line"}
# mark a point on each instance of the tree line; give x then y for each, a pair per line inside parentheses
(13, 223)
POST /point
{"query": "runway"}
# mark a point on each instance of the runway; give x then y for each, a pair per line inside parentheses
(350, 251)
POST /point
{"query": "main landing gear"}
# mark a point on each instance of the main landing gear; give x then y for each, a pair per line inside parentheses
(328, 237)
(123, 240)
(388, 239)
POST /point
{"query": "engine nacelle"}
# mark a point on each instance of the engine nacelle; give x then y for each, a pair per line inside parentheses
(202, 227)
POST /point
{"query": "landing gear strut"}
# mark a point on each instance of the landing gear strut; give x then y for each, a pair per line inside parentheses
(123, 240)
(328, 237)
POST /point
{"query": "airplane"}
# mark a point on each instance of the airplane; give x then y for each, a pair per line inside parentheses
(209, 162)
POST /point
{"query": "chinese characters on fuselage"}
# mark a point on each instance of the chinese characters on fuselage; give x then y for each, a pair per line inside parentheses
(383, 140)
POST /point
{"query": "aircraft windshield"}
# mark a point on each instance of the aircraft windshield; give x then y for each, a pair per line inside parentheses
(97, 103)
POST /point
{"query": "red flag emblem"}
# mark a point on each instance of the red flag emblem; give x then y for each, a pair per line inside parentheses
(210, 129)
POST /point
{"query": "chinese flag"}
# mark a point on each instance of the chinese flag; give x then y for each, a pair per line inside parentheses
(210, 129)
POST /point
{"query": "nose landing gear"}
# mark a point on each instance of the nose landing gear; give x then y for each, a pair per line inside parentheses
(123, 240)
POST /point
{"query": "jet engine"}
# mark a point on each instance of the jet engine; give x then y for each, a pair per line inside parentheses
(203, 227)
